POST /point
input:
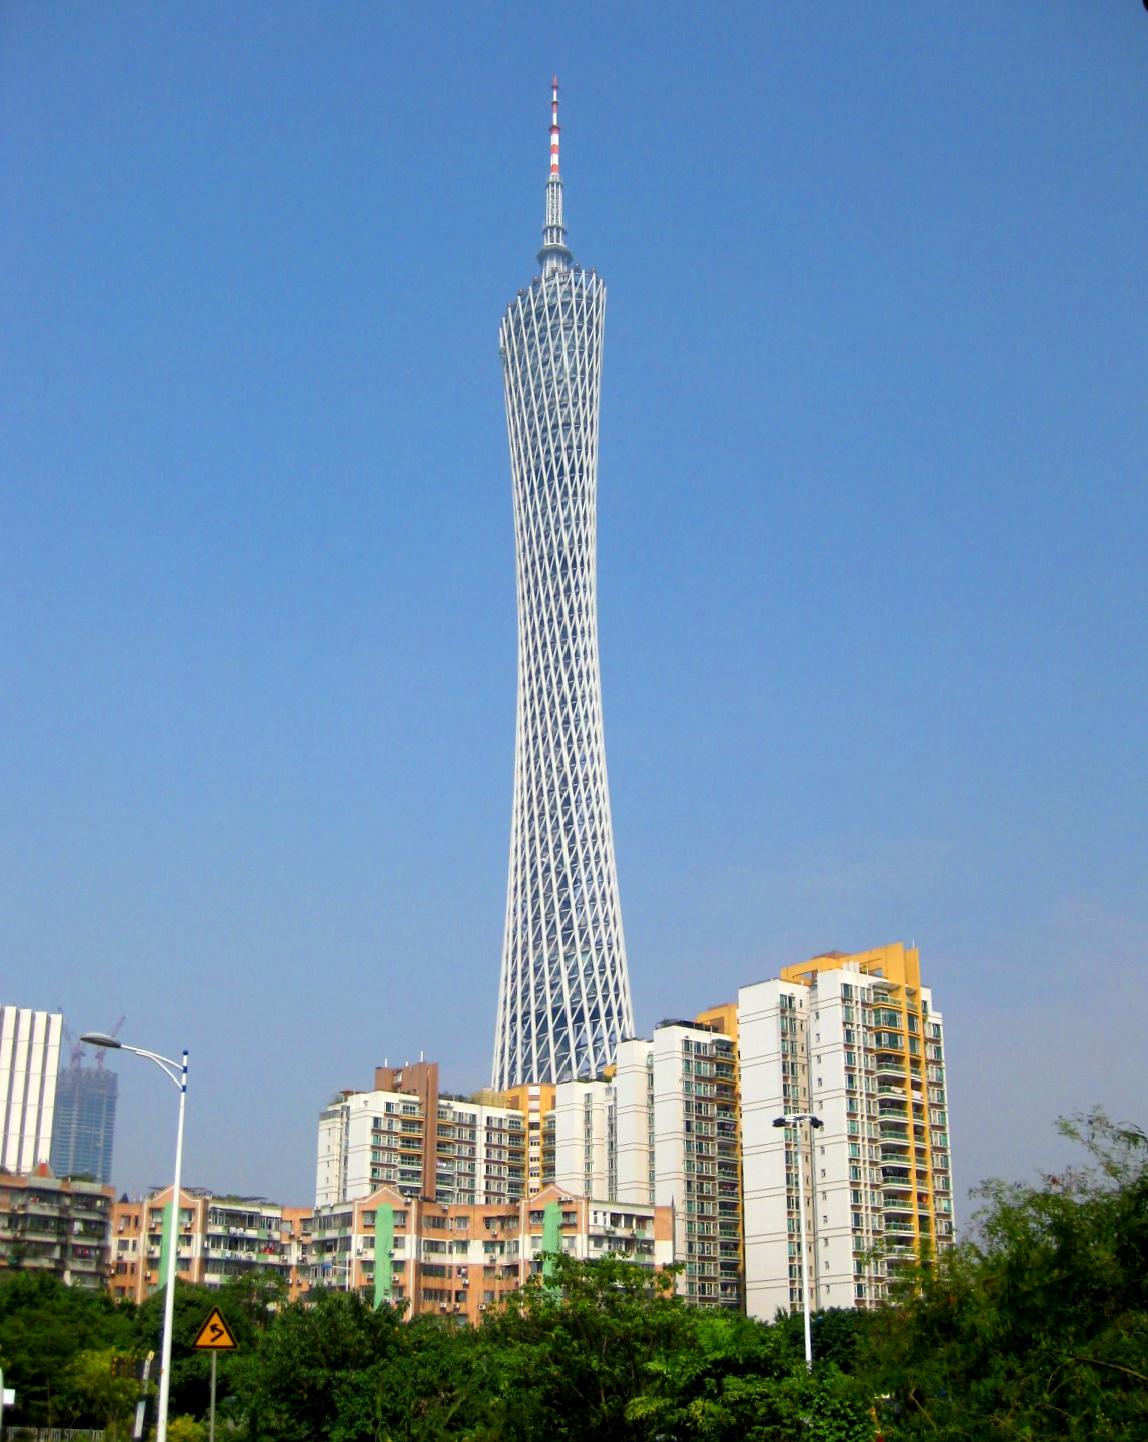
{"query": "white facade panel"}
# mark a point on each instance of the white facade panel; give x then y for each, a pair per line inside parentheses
(29, 1065)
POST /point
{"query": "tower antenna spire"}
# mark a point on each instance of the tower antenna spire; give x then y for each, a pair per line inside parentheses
(554, 126)
(555, 253)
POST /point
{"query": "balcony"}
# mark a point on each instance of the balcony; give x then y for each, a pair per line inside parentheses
(898, 1204)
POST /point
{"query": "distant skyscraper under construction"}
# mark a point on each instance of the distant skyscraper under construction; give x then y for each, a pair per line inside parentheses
(84, 1125)
(564, 992)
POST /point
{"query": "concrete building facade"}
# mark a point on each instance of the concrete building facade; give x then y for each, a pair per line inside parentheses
(55, 1225)
(459, 1260)
(856, 1041)
(220, 1237)
(29, 1063)
(662, 1130)
(450, 1149)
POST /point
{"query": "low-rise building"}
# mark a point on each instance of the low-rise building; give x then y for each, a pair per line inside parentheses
(460, 1259)
(219, 1237)
(56, 1225)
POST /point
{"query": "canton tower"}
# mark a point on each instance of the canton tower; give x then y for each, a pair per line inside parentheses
(564, 991)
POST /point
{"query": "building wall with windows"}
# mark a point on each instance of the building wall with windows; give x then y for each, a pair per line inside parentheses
(409, 1135)
(584, 1121)
(854, 1039)
(220, 1237)
(55, 1225)
(29, 1063)
(663, 1130)
(84, 1123)
(535, 1101)
(459, 1260)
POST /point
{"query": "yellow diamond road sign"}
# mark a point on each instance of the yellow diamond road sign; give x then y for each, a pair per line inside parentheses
(215, 1334)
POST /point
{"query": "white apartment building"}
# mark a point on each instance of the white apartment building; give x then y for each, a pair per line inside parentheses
(663, 1131)
(855, 1041)
(424, 1144)
(29, 1063)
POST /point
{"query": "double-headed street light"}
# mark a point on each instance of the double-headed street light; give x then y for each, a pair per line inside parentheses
(794, 1120)
(176, 1073)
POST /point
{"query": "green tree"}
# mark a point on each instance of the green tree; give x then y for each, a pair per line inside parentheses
(291, 1386)
(745, 1381)
(44, 1326)
(1038, 1327)
(185, 1429)
(431, 1383)
(93, 1395)
(567, 1359)
(248, 1303)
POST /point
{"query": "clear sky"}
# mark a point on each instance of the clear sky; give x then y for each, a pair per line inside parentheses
(874, 616)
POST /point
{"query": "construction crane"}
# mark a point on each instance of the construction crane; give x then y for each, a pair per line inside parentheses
(115, 1031)
(76, 1046)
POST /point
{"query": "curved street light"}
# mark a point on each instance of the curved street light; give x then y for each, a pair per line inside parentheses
(176, 1073)
(794, 1119)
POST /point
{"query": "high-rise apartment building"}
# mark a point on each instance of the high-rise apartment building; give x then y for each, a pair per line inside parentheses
(29, 1062)
(84, 1124)
(662, 1129)
(424, 1143)
(856, 1041)
(564, 991)
(687, 1120)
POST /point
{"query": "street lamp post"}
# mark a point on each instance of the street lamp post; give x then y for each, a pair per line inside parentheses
(176, 1073)
(794, 1120)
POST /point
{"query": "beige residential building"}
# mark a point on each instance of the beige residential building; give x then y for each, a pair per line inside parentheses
(56, 1225)
(460, 1259)
(219, 1237)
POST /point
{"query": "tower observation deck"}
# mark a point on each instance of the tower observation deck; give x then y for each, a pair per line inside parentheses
(564, 991)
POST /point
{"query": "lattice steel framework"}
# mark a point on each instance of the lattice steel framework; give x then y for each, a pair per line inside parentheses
(564, 992)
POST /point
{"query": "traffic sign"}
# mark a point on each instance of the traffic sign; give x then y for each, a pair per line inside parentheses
(215, 1334)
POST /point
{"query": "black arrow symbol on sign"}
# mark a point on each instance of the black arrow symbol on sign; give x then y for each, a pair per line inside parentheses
(216, 1331)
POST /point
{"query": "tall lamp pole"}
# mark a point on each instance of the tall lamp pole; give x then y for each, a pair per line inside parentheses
(794, 1120)
(176, 1073)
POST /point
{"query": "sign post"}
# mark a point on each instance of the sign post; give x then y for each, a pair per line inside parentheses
(214, 1336)
(144, 1374)
(7, 1399)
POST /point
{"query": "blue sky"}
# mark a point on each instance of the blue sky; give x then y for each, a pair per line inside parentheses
(872, 528)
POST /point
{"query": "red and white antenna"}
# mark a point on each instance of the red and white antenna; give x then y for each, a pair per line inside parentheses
(554, 126)
(555, 253)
